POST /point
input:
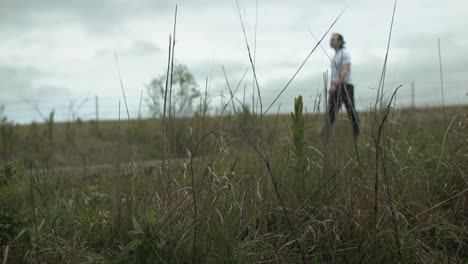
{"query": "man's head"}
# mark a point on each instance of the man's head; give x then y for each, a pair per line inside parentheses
(336, 41)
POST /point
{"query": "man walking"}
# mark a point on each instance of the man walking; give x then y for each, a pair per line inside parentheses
(341, 87)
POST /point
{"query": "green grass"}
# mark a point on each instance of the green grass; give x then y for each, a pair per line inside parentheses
(243, 177)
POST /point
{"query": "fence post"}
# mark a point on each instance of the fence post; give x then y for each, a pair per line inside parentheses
(96, 100)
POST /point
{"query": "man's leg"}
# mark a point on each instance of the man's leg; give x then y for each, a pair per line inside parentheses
(334, 104)
(350, 108)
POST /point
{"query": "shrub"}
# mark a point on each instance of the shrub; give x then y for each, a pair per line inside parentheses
(298, 131)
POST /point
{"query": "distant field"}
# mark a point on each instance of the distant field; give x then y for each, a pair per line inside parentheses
(83, 143)
(237, 189)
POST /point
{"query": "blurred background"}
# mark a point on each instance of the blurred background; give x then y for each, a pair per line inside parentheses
(59, 55)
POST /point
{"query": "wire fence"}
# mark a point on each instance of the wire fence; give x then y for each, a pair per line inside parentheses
(107, 107)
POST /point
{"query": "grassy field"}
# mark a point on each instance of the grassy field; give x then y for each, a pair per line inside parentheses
(237, 189)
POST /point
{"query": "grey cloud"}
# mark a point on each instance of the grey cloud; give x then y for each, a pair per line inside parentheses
(143, 47)
(25, 83)
(139, 48)
(110, 14)
(48, 92)
(15, 79)
(96, 16)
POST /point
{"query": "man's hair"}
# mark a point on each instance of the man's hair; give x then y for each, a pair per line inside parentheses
(340, 38)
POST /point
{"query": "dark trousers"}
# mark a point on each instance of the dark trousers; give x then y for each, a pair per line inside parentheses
(343, 94)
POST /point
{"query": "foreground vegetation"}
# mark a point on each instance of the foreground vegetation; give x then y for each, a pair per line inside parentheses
(237, 189)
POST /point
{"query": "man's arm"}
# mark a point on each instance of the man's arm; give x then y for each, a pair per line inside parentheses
(345, 66)
(344, 73)
(343, 78)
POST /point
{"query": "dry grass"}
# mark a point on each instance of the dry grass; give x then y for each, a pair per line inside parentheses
(131, 213)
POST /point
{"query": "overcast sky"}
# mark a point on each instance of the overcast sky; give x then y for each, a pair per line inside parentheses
(55, 51)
